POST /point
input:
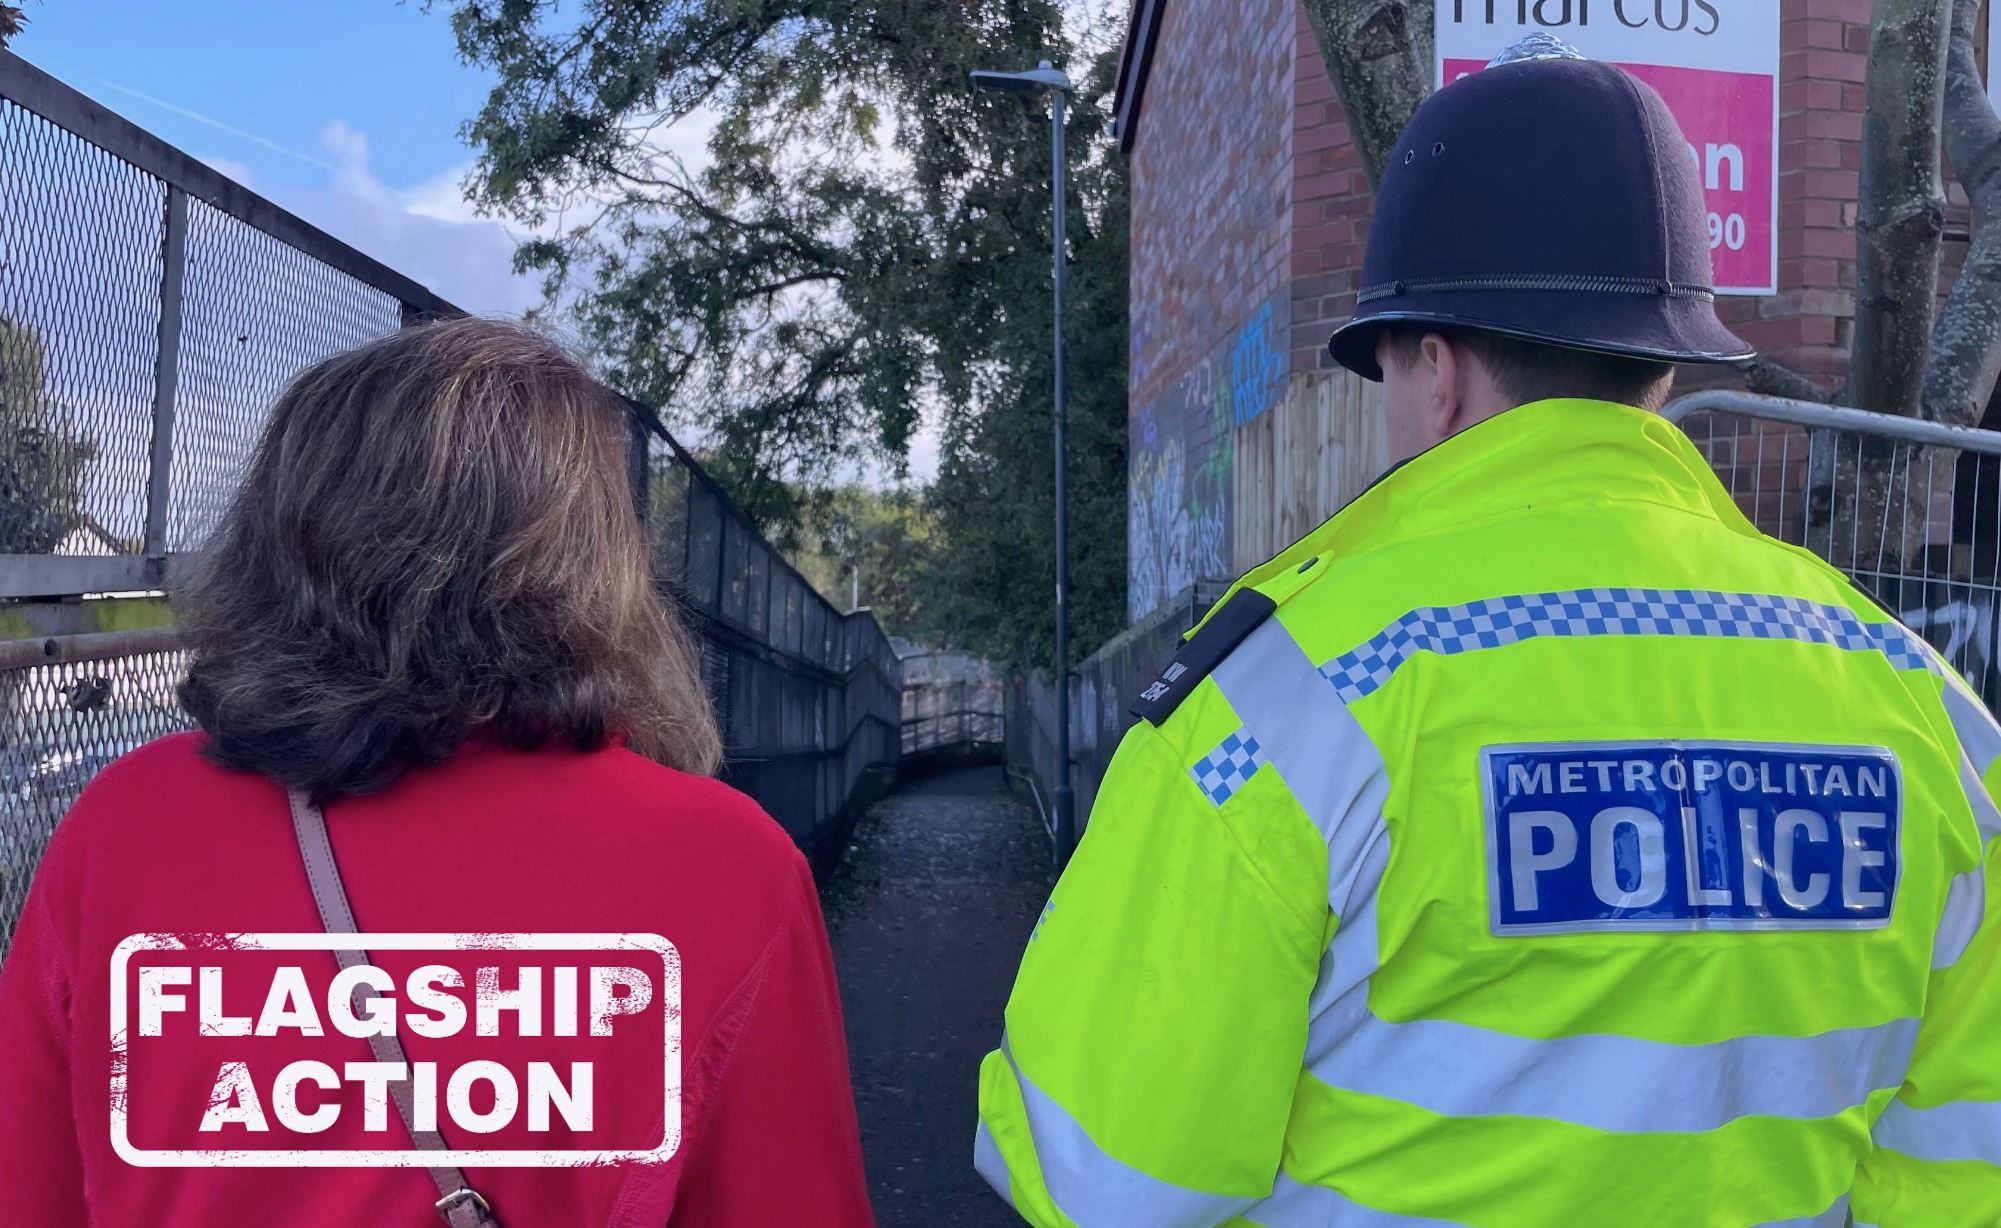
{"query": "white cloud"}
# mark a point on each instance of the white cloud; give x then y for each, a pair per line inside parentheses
(427, 231)
(442, 196)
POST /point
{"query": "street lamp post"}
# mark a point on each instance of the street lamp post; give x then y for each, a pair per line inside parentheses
(1040, 80)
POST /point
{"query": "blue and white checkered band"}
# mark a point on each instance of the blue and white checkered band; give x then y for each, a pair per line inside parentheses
(1224, 770)
(1499, 621)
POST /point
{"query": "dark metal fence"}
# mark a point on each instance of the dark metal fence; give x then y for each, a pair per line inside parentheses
(809, 697)
(150, 311)
(1102, 688)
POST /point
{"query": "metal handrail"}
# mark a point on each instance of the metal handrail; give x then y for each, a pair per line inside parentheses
(1041, 810)
(87, 647)
(1833, 418)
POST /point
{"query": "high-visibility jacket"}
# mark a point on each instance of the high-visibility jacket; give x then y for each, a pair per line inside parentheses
(1533, 844)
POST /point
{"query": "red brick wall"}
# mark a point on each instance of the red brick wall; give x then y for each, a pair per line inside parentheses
(1211, 182)
(1330, 205)
(1823, 52)
(1211, 250)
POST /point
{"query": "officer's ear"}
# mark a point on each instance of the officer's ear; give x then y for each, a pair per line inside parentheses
(1443, 365)
(1464, 390)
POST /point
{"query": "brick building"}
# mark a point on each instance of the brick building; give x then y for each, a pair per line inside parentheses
(1250, 213)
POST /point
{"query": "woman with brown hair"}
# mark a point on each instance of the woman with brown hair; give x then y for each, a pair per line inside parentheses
(427, 619)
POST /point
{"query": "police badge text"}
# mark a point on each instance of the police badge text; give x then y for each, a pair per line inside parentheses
(1690, 836)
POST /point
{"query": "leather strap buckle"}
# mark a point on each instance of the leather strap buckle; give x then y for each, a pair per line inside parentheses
(450, 1202)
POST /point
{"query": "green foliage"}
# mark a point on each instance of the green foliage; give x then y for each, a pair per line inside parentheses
(864, 239)
(874, 544)
(42, 463)
(994, 498)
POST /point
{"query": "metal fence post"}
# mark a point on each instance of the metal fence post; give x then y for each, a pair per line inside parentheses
(636, 442)
(166, 379)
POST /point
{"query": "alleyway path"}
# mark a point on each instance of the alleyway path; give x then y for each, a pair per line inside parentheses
(928, 913)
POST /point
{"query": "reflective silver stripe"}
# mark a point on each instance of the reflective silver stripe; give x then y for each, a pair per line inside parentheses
(1352, 958)
(1979, 736)
(1835, 1216)
(1981, 800)
(989, 1163)
(1609, 1082)
(1094, 1189)
(1965, 904)
(1304, 730)
(1603, 1081)
(1294, 1204)
(1966, 898)
(1297, 1205)
(1961, 1130)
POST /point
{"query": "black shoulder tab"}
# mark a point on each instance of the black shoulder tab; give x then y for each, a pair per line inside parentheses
(1203, 652)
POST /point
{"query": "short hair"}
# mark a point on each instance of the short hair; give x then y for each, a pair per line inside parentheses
(1528, 371)
(435, 534)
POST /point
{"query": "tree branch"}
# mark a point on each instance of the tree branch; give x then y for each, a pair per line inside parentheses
(1965, 357)
(1379, 53)
(1901, 215)
(1774, 379)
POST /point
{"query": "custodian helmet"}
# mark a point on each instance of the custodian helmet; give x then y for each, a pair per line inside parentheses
(1551, 199)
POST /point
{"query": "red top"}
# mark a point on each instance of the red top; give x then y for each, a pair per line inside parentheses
(493, 840)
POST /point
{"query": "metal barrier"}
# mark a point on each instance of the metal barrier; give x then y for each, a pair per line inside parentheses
(950, 699)
(1910, 510)
(1102, 688)
(150, 311)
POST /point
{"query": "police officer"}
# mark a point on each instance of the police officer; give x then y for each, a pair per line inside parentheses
(1533, 843)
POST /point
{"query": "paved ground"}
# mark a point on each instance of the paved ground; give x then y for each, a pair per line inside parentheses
(928, 913)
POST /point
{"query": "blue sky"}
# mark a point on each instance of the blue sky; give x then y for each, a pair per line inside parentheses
(344, 111)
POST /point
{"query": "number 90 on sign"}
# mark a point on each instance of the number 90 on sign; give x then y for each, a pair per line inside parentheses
(1726, 231)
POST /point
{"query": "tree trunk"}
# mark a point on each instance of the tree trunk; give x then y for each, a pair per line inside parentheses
(1379, 53)
(1876, 509)
(1966, 346)
(1901, 218)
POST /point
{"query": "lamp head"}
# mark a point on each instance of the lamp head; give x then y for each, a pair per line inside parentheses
(1041, 79)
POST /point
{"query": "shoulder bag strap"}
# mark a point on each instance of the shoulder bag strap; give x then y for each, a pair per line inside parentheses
(459, 1205)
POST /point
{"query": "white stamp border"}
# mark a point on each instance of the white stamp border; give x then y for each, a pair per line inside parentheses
(668, 993)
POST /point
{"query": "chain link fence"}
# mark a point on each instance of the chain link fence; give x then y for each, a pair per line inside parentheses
(150, 311)
(808, 697)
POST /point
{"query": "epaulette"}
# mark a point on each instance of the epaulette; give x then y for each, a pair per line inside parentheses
(1242, 614)
(1254, 599)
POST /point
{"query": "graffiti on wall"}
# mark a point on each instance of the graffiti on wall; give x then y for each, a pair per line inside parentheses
(1960, 617)
(1963, 626)
(1182, 451)
(1257, 365)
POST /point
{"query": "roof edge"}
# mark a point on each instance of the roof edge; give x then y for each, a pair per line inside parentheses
(1135, 63)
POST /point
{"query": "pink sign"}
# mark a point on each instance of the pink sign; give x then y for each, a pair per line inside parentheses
(1728, 119)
